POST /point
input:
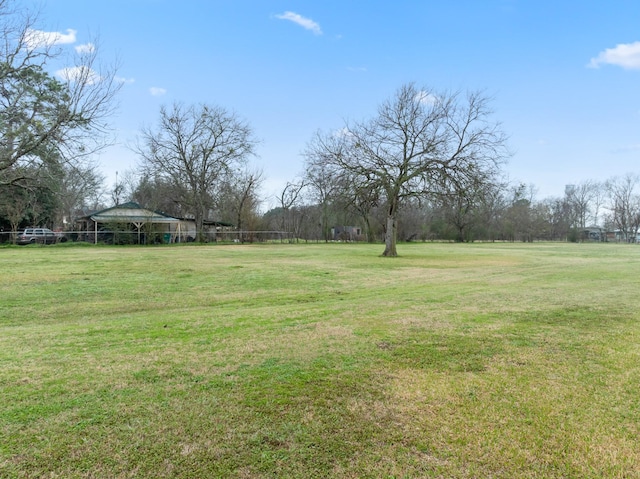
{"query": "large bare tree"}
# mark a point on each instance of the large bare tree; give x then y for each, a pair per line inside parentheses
(238, 200)
(624, 204)
(290, 206)
(418, 141)
(47, 118)
(196, 148)
(325, 188)
(580, 199)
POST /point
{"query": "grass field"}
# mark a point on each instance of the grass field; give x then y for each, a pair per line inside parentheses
(317, 361)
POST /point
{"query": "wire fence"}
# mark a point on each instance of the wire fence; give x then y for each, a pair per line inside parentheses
(123, 237)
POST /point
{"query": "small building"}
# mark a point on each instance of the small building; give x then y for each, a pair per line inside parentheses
(593, 233)
(346, 233)
(213, 230)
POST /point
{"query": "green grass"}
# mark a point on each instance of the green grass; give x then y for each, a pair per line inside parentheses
(315, 361)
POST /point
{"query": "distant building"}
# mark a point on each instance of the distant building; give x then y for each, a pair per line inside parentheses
(346, 233)
(593, 233)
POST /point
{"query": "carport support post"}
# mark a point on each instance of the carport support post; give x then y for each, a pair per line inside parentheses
(138, 225)
(95, 233)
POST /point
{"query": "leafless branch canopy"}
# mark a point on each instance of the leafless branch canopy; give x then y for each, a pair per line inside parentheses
(43, 118)
(419, 141)
(196, 147)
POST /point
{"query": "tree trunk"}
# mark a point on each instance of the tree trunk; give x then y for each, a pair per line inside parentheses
(199, 219)
(239, 221)
(369, 230)
(200, 236)
(390, 237)
(326, 230)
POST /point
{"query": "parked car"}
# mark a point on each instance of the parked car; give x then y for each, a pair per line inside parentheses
(37, 235)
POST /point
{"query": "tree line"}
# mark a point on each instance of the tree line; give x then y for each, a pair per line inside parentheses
(427, 166)
(590, 211)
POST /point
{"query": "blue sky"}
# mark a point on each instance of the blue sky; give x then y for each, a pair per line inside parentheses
(563, 75)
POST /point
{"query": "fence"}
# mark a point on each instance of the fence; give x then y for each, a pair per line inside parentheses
(123, 237)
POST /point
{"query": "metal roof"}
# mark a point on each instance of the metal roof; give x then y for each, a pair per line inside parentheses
(131, 213)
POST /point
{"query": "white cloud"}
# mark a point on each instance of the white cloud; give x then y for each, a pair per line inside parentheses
(426, 98)
(156, 91)
(625, 55)
(343, 132)
(79, 74)
(86, 48)
(126, 81)
(40, 39)
(306, 23)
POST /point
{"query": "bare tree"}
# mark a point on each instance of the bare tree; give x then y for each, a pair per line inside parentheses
(289, 200)
(44, 119)
(598, 200)
(467, 205)
(580, 199)
(77, 185)
(247, 198)
(325, 186)
(418, 141)
(238, 200)
(624, 205)
(363, 201)
(195, 147)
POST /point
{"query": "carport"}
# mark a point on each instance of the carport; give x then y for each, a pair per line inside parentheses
(130, 213)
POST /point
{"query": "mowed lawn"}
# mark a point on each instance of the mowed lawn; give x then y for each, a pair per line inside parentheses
(318, 361)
